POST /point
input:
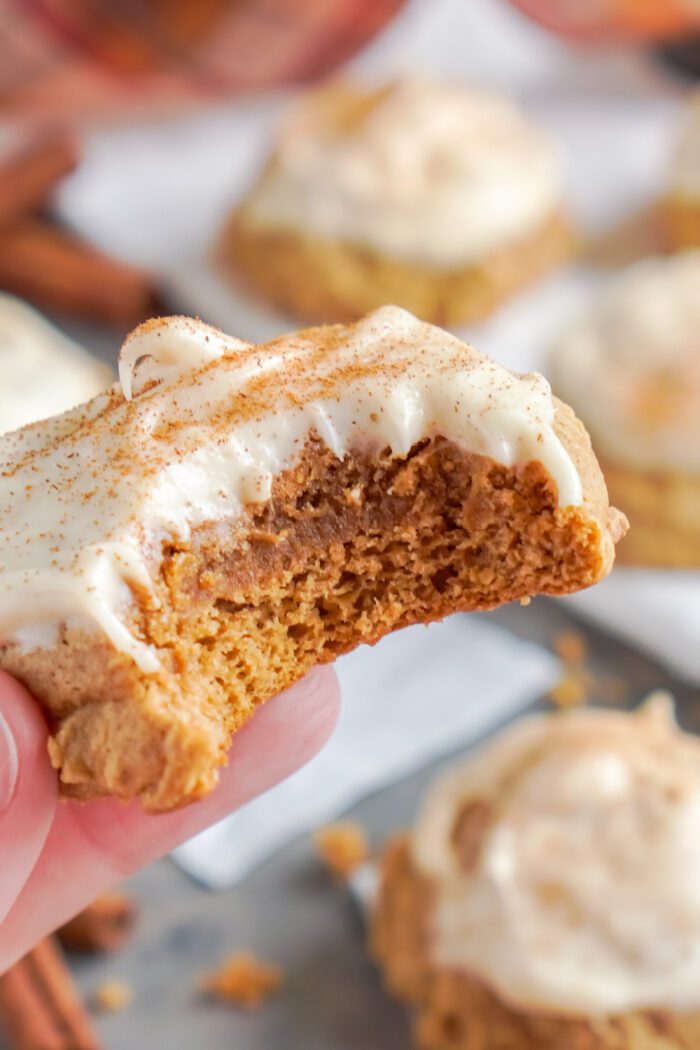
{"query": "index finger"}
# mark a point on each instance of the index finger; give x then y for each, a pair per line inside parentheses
(92, 846)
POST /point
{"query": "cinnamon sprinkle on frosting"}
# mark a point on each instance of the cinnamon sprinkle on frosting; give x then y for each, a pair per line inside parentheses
(199, 428)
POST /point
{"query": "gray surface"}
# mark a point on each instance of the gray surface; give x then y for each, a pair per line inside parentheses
(291, 913)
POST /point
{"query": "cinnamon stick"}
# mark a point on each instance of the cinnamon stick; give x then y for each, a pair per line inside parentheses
(104, 926)
(39, 1005)
(29, 174)
(56, 270)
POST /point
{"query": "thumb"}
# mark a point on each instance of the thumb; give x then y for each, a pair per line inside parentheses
(28, 791)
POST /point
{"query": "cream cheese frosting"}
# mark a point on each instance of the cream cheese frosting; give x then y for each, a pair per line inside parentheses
(630, 366)
(585, 896)
(41, 372)
(434, 173)
(685, 169)
(201, 426)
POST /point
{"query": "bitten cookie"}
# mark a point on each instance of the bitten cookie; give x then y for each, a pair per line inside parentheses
(179, 550)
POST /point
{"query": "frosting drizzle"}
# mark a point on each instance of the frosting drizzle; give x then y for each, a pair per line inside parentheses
(87, 499)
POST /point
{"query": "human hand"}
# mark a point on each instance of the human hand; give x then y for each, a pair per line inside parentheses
(56, 857)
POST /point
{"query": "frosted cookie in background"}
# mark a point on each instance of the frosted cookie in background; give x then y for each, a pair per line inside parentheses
(441, 198)
(42, 372)
(547, 896)
(630, 367)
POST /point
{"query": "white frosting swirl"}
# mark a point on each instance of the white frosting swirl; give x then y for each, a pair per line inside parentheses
(154, 353)
(685, 169)
(86, 499)
(585, 897)
(41, 372)
(630, 367)
(439, 174)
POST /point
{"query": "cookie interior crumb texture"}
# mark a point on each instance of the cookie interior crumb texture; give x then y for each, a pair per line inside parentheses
(345, 545)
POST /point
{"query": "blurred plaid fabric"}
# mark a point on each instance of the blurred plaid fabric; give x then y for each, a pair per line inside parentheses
(606, 19)
(78, 59)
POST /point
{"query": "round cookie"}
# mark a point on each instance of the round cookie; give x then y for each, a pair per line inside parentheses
(440, 198)
(630, 367)
(547, 896)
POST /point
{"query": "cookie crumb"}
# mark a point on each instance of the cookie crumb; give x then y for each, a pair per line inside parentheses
(570, 691)
(243, 980)
(342, 847)
(571, 647)
(111, 997)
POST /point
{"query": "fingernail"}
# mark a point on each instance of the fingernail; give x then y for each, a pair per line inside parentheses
(9, 765)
